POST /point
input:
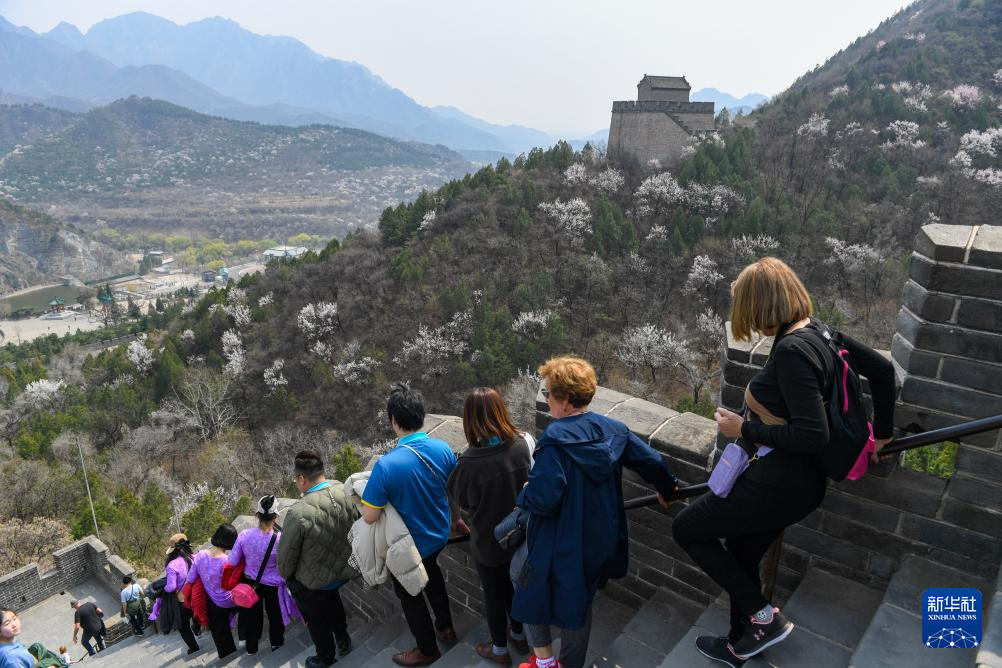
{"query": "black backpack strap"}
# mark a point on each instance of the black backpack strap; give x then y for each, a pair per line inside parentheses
(267, 554)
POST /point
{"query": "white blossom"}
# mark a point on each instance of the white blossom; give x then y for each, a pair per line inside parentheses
(703, 274)
(141, 357)
(748, 248)
(964, 95)
(572, 216)
(266, 300)
(997, 77)
(236, 296)
(914, 36)
(240, 313)
(901, 86)
(839, 90)
(354, 368)
(654, 164)
(432, 348)
(652, 347)
(929, 181)
(637, 264)
(658, 193)
(39, 393)
(657, 233)
(273, 376)
(318, 321)
(853, 258)
(532, 324)
(187, 336)
(903, 134)
(816, 126)
(710, 327)
(428, 221)
(881, 44)
(987, 143)
(323, 350)
(610, 180)
(233, 352)
(576, 173)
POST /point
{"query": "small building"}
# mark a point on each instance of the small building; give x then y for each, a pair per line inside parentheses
(155, 257)
(166, 266)
(57, 304)
(663, 89)
(285, 251)
(208, 276)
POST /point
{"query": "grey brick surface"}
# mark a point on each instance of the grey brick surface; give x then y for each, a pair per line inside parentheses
(932, 306)
(642, 417)
(983, 314)
(986, 251)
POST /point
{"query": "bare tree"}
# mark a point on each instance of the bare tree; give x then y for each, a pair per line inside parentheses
(203, 399)
(22, 543)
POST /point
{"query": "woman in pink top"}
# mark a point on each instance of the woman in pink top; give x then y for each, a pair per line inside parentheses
(254, 547)
(208, 567)
(172, 615)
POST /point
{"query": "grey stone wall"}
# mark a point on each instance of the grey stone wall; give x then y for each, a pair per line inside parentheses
(646, 92)
(76, 563)
(648, 130)
(642, 137)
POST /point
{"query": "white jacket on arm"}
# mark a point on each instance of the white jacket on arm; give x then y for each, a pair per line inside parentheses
(384, 547)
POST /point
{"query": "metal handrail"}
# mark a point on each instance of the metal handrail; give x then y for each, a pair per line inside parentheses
(943, 434)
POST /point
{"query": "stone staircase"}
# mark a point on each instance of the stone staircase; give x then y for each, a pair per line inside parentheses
(841, 623)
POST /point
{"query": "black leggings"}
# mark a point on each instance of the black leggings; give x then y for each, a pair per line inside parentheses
(749, 520)
(498, 592)
(251, 620)
(219, 625)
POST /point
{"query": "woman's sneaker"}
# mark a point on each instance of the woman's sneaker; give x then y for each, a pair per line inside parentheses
(761, 633)
(532, 663)
(718, 649)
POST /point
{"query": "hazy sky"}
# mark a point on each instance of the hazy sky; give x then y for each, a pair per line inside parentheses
(552, 64)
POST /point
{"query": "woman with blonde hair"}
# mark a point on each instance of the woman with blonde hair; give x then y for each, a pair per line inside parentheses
(484, 485)
(786, 412)
(576, 537)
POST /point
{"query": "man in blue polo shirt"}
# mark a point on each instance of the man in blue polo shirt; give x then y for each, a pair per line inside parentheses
(412, 476)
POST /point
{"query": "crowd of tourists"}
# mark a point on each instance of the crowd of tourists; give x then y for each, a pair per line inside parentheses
(546, 521)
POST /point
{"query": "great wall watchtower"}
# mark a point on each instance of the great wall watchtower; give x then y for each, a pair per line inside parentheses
(659, 123)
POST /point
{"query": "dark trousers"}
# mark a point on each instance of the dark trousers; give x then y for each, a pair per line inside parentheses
(186, 633)
(219, 626)
(137, 622)
(498, 592)
(325, 618)
(87, 637)
(748, 521)
(251, 620)
(416, 611)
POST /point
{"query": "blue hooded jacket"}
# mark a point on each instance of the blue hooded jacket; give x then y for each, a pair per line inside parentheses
(577, 535)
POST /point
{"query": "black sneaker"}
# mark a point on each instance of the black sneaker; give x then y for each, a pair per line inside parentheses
(344, 645)
(758, 634)
(317, 662)
(718, 649)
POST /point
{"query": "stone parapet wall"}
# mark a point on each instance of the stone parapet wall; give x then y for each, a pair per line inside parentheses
(76, 563)
(662, 106)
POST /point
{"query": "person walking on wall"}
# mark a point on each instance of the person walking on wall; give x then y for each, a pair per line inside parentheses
(786, 412)
(484, 485)
(256, 549)
(173, 615)
(413, 477)
(576, 539)
(87, 616)
(133, 605)
(208, 567)
(313, 557)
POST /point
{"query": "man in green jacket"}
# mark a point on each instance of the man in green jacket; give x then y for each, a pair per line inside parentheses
(313, 557)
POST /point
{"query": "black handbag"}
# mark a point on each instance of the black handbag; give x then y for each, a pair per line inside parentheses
(510, 532)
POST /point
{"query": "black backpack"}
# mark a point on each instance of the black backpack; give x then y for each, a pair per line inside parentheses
(848, 425)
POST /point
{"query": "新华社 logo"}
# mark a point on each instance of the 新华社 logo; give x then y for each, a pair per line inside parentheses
(951, 618)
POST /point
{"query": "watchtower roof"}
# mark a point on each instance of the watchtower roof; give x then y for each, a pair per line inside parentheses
(666, 83)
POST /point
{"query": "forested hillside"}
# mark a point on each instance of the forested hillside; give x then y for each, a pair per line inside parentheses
(479, 281)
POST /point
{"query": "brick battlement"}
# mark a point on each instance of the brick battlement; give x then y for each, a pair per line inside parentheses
(656, 106)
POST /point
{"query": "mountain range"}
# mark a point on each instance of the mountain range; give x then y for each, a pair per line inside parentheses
(216, 67)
